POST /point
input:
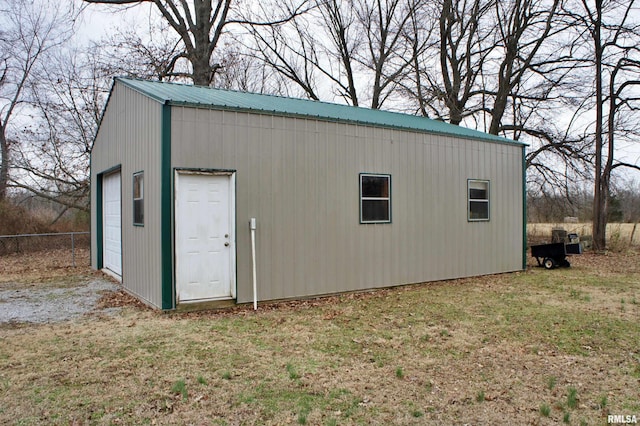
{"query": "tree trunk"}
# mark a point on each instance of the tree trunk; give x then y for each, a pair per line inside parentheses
(601, 184)
(4, 163)
(450, 56)
(505, 76)
(200, 57)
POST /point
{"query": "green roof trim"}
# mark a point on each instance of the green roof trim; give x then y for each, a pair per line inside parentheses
(207, 97)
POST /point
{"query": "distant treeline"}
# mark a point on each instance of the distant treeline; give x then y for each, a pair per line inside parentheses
(624, 206)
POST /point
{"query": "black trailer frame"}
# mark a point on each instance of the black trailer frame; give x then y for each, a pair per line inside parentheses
(555, 254)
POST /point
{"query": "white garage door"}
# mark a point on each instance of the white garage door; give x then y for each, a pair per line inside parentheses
(205, 223)
(112, 222)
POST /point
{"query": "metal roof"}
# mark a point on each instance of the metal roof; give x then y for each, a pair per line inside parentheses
(207, 97)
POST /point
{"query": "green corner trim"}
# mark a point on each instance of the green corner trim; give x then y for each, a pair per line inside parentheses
(524, 208)
(99, 214)
(165, 206)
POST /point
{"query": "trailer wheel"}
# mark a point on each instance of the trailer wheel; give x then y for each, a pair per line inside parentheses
(549, 263)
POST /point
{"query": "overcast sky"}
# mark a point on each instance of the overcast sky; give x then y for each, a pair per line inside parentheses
(99, 21)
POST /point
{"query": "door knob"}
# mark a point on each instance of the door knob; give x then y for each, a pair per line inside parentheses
(226, 244)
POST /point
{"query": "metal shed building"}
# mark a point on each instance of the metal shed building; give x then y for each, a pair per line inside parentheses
(344, 198)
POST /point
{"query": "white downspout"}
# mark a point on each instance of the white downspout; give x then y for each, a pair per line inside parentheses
(252, 226)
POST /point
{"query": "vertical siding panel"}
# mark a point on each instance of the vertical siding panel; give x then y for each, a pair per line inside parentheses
(440, 215)
(481, 244)
(412, 248)
(291, 242)
(275, 167)
(307, 270)
(346, 204)
(422, 243)
(420, 201)
(300, 185)
(327, 182)
(299, 178)
(429, 204)
(338, 210)
(450, 223)
(260, 147)
(314, 235)
(238, 154)
(473, 230)
(385, 236)
(399, 146)
(471, 240)
(129, 136)
(501, 183)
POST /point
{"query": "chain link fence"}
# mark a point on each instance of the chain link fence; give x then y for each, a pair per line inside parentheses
(73, 242)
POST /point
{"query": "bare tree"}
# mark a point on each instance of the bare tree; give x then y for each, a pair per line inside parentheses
(356, 48)
(130, 51)
(465, 43)
(507, 67)
(52, 161)
(607, 34)
(29, 30)
(524, 26)
(240, 71)
(200, 26)
(448, 62)
(290, 50)
(491, 62)
(383, 23)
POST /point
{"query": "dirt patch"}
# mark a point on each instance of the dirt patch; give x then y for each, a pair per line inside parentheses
(45, 287)
(47, 305)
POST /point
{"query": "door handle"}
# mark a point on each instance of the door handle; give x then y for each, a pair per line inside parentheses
(226, 244)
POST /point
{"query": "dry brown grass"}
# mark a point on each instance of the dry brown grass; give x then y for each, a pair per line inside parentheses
(489, 350)
(620, 236)
(48, 266)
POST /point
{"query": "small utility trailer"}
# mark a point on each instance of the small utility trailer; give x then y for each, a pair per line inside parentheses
(555, 254)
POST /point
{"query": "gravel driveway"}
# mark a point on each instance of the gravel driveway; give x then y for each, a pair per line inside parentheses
(46, 305)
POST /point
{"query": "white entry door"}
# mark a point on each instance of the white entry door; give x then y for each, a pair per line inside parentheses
(204, 236)
(112, 224)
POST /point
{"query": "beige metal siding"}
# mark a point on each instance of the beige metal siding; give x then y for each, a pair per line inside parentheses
(300, 179)
(129, 136)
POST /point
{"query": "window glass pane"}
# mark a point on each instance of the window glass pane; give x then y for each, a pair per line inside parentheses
(137, 185)
(375, 186)
(478, 184)
(478, 210)
(375, 210)
(477, 194)
(138, 198)
(138, 212)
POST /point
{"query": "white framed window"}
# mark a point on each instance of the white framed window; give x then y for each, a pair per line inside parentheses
(478, 200)
(138, 199)
(375, 198)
